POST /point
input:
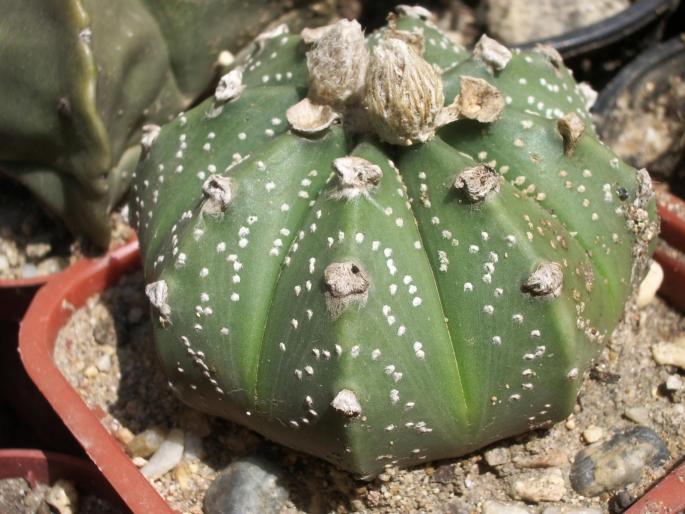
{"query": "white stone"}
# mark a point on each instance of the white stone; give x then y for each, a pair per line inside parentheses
(670, 354)
(592, 434)
(650, 284)
(539, 487)
(167, 457)
(495, 507)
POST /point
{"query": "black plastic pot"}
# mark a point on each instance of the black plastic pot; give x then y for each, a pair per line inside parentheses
(595, 52)
(643, 79)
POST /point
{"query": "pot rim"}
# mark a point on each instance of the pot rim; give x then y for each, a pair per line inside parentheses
(47, 314)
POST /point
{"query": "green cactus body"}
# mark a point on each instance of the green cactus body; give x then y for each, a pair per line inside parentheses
(387, 304)
(80, 78)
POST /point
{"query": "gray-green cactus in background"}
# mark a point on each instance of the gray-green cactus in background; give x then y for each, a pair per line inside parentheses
(388, 251)
(80, 78)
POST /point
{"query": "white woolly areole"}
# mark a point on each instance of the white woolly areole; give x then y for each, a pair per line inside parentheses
(355, 176)
(403, 94)
(546, 281)
(337, 63)
(230, 86)
(346, 403)
(150, 134)
(492, 53)
(218, 191)
(158, 294)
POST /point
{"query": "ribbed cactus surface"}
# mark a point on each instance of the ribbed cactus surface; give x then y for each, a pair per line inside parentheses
(388, 251)
(80, 78)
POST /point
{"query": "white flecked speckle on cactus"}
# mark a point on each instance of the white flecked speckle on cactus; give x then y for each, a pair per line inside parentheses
(395, 272)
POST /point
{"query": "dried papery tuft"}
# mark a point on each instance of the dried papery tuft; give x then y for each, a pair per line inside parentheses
(551, 54)
(356, 176)
(158, 294)
(310, 118)
(230, 86)
(478, 182)
(571, 128)
(150, 134)
(414, 39)
(492, 53)
(403, 94)
(589, 94)
(546, 281)
(479, 100)
(312, 35)
(415, 11)
(218, 191)
(346, 283)
(337, 64)
(346, 403)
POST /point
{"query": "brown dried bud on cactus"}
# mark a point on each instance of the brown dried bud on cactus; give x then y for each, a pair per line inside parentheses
(337, 64)
(546, 281)
(479, 100)
(356, 176)
(571, 128)
(403, 94)
(346, 283)
(306, 117)
(478, 182)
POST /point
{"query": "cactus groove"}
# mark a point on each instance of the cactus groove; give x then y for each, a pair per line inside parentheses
(378, 278)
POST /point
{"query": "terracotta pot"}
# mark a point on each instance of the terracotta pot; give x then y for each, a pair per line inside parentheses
(37, 336)
(16, 295)
(672, 213)
(666, 497)
(38, 467)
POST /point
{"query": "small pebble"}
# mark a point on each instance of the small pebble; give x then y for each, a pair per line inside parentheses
(51, 265)
(63, 497)
(4, 264)
(146, 443)
(495, 507)
(674, 383)
(124, 435)
(104, 363)
(639, 415)
(671, 354)
(167, 457)
(617, 462)
(553, 458)
(37, 250)
(592, 434)
(650, 284)
(91, 372)
(139, 462)
(571, 510)
(248, 485)
(29, 270)
(497, 456)
(570, 424)
(537, 487)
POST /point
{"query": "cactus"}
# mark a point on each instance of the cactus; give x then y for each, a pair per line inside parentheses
(391, 251)
(79, 80)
